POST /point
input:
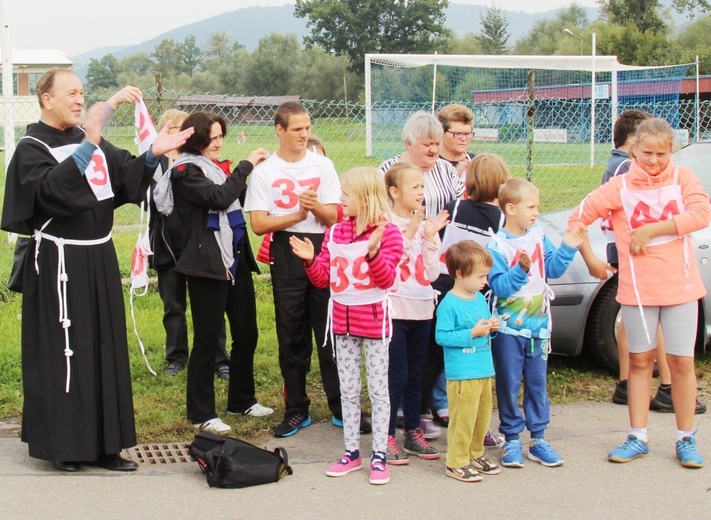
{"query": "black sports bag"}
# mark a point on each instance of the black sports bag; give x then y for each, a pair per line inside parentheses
(231, 463)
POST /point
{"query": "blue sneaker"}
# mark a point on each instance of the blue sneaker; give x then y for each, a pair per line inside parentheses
(633, 448)
(687, 454)
(365, 426)
(513, 454)
(290, 425)
(541, 451)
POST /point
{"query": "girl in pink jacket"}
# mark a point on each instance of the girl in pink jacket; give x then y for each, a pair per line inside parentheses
(655, 207)
(359, 259)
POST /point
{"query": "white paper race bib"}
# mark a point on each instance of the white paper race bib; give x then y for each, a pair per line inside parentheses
(145, 131)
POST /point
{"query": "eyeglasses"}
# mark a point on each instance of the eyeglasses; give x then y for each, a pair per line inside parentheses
(461, 135)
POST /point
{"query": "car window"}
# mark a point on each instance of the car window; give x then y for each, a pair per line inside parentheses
(696, 156)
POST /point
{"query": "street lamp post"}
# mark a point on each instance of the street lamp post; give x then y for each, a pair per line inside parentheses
(571, 33)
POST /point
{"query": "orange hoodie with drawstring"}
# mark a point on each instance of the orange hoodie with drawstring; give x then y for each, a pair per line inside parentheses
(661, 276)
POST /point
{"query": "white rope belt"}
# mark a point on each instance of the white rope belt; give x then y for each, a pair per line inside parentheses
(62, 279)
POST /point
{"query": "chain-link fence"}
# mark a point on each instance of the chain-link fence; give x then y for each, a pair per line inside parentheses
(559, 164)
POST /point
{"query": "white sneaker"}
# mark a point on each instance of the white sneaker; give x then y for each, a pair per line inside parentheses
(258, 410)
(213, 425)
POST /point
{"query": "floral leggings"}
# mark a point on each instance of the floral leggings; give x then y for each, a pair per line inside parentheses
(348, 356)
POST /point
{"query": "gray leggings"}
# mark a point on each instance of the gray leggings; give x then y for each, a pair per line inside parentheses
(679, 324)
(348, 359)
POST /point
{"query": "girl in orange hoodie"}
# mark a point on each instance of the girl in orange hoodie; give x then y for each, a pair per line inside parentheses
(655, 207)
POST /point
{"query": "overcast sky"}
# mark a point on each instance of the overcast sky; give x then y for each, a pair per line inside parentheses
(77, 26)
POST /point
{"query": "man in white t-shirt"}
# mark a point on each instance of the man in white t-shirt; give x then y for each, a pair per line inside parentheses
(296, 192)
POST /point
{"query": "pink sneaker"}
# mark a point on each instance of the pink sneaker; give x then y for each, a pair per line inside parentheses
(344, 467)
(378, 473)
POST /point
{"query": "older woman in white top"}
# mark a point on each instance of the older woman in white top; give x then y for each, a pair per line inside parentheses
(422, 135)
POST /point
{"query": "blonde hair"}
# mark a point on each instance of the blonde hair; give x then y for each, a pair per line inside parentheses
(466, 256)
(315, 142)
(485, 175)
(657, 128)
(366, 186)
(395, 174)
(173, 115)
(512, 191)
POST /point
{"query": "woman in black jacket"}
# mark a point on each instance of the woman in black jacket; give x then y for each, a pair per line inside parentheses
(217, 261)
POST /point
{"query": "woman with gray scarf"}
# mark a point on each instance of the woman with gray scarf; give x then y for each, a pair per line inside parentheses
(218, 263)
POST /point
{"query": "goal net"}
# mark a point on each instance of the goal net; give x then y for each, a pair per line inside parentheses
(549, 117)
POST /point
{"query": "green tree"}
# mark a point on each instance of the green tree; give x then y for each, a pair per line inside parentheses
(323, 76)
(635, 47)
(494, 37)
(270, 69)
(192, 55)
(102, 74)
(168, 58)
(646, 15)
(216, 50)
(140, 63)
(695, 41)
(547, 36)
(467, 44)
(232, 70)
(355, 27)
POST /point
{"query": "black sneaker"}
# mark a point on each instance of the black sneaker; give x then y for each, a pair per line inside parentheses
(174, 368)
(223, 372)
(620, 394)
(662, 402)
(290, 425)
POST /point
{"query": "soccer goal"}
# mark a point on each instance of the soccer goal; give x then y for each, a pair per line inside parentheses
(535, 111)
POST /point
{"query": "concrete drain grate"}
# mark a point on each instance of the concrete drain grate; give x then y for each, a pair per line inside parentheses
(159, 454)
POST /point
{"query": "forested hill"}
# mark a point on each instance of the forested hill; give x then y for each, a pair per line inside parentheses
(248, 25)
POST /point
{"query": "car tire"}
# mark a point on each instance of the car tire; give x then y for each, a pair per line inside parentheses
(600, 333)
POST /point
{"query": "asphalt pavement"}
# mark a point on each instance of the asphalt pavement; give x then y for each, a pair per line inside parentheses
(586, 486)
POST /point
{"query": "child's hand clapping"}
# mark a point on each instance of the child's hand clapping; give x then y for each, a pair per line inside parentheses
(432, 227)
(375, 237)
(304, 249)
(524, 261)
(415, 223)
(574, 236)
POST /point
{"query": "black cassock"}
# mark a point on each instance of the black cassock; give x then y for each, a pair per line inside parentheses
(96, 415)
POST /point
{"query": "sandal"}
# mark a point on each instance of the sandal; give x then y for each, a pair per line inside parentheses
(464, 474)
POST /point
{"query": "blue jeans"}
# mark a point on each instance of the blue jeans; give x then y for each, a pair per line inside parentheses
(517, 358)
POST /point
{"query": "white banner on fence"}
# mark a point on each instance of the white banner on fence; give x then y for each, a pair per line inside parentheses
(486, 134)
(550, 135)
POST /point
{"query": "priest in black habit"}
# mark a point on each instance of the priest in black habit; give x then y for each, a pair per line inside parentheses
(63, 184)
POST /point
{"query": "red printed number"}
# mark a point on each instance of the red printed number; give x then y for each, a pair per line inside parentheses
(289, 198)
(420, 275)
(536, 259)
(100, 174)
(144, 132)
(642, 214)
(339, 279)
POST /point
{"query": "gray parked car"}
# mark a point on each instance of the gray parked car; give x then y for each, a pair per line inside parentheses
(585, 314)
